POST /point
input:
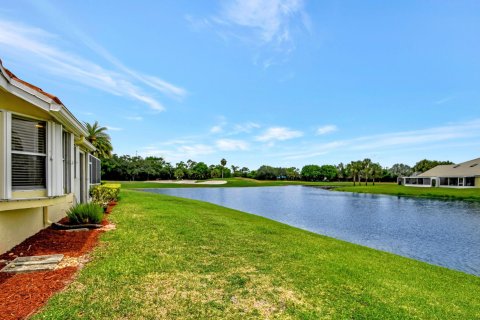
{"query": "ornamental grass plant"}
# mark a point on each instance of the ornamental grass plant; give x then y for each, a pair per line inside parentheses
(85, 213)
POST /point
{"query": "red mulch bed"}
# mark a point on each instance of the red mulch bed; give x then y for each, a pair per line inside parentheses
(22, 294)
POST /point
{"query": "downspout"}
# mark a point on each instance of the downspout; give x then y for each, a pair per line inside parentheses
(46, 221)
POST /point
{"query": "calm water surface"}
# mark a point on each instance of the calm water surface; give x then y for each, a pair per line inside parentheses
(445, 233)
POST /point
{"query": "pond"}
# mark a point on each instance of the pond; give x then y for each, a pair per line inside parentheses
(445, 233)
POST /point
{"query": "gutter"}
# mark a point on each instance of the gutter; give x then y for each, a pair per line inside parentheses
(65, 117)
(85, 143)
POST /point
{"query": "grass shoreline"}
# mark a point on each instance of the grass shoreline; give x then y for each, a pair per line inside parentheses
(179, 258)
(416, 192)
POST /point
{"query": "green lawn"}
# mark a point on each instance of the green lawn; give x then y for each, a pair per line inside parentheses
(436, 193)
(175, 258)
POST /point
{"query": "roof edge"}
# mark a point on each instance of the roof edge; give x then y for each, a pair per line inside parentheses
(43, 100)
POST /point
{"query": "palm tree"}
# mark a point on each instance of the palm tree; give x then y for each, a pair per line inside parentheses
(100, 140)
(377, 171)
(341, 171)
(354, 168)
(367, 168)
(223, 162)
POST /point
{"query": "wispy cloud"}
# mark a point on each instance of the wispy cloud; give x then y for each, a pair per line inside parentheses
(219, 127)
(444, 100)
(230, 129)
(315, 151)
(134, 118)
(196, 149)
(266, 24)
(152, 81)
(278, 134)
(179, 152)
(269, 20)
(389, 141)
(231, 145)
(326, 129)
(176, 142)
(42, 49)
(246, 127)
(114, 128)
(216, 129)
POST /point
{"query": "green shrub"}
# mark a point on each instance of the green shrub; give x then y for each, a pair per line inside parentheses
(84, 213)
(103, 194)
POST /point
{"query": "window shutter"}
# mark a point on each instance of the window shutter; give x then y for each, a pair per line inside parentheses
(72, 163)
(55, 160)
(5, 173)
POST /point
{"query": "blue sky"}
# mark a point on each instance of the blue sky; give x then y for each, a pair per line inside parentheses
(279, 82)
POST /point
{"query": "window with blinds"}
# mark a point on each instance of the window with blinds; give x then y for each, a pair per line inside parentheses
(95, 170)
(29, 153)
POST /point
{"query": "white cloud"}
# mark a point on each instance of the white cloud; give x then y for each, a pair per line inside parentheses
(393, 141)
(195, 150)
(268, 19)
(34, 45)
(219, 127)
(278, 133)
(316, 150)
(326, 129)
(178, 150)
(231, 145)
(216, 129)
(418, 137)
(53, 13)
(268, 27)
(444, 100)
(160, 85)
(246, 127)
(114, 128)
(174, 142)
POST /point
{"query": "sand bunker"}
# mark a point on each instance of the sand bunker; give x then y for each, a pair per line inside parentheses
(191, 181)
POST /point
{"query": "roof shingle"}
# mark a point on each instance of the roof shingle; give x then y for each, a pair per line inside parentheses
(465, 169)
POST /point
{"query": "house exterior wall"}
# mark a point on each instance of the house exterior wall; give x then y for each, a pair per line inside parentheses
(477, 184)
(16, 225)
(25, 212)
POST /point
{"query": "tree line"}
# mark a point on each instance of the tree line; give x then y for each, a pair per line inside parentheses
(127, 167)
(156, 168)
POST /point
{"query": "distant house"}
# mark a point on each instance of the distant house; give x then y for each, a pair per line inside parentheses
(463, 175)
(46, 164)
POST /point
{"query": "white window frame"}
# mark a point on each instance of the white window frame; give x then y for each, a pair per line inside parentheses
(11, 152)
(54, 157)
(68, 162)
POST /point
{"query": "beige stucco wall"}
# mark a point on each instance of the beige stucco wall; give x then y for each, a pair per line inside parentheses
(19, 224)
(477, 182)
